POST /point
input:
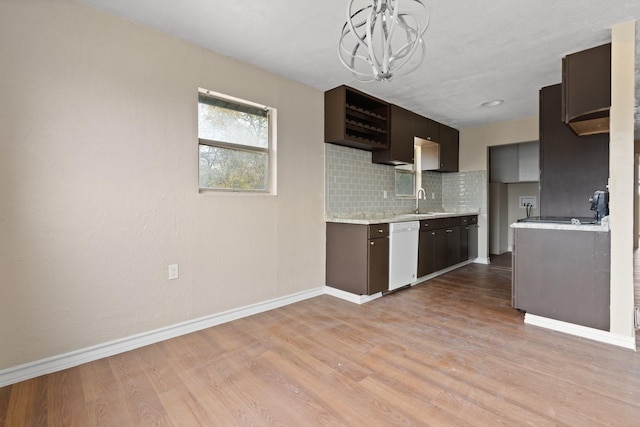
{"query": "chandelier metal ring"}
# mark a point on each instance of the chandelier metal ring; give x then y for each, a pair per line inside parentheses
(379, 39)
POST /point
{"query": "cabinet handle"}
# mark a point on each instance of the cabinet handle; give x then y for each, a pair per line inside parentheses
(449, 231)
(380, 230)
(433, 233)
(372, 243)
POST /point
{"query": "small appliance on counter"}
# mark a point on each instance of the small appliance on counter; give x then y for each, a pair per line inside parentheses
(600, 204)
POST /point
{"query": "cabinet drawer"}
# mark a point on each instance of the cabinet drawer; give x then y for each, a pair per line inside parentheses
(378, 230)
(438, 223)
(468, 220)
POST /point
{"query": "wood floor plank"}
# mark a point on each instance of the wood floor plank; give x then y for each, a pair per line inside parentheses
(451, 351)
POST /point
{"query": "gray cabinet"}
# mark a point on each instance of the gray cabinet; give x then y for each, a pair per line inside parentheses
(515, 163)
(562, 275)
(358, 257)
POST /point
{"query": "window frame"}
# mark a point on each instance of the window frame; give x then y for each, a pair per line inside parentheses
(413, 169)
(270, 175)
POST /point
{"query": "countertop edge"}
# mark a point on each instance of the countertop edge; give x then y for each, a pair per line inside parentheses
(400, 218)
(602, 228)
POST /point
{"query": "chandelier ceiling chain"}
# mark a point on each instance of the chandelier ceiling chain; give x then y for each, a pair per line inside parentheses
(381, 38)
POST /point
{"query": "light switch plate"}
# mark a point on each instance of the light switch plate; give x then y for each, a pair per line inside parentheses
(173, 272)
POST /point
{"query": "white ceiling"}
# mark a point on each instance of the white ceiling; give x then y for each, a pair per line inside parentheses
(476, 50)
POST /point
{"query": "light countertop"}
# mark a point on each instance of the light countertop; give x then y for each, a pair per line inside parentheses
(603, 227)
(367, 218)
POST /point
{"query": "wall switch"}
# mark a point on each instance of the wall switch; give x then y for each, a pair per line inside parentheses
(527, 201)
(384, 194)
(173, 271)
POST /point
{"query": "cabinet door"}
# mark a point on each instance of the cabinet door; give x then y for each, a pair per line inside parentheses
(453, 245)
(449, 145)
(347, 257)
(441, 251)
(472, 240)
(427, 129)
(464, 243)
(378, 265)
(426, 253)
(586, 84)
(401, 133)
(504, 163)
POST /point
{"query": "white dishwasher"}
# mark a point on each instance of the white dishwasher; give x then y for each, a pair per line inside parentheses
(403, 253)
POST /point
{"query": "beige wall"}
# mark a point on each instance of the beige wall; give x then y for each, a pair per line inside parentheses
(473, 155)
(515, 191)
(622, 187)
(98, 184)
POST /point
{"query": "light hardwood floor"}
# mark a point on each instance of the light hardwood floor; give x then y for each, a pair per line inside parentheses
(449, 352)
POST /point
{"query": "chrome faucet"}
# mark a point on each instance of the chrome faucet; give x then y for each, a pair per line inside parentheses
(421, 194)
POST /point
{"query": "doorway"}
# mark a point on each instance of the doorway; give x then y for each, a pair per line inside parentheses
(514, 193)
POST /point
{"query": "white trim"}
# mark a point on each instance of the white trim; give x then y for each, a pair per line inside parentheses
(68, 360)
(348, 296)
(581, 331)
(441, 272)
(484, 260)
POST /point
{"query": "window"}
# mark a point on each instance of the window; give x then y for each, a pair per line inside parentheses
(407, 176)
(405, 182)
(235, 144)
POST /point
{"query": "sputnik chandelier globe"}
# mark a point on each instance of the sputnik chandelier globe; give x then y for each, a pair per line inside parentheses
(381, 37)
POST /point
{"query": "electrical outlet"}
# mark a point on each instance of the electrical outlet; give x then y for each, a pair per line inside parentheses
(433, 196)
(173, 272)
(384, 194)
(527, 201)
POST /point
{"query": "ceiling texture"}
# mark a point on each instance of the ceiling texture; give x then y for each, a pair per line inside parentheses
(476, 51)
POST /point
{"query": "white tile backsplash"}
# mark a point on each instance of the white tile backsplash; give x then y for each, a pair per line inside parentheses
(355, 185)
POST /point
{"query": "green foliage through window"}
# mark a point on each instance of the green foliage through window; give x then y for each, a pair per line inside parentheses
(234, 145)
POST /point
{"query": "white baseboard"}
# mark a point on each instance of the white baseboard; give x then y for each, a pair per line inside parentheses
(484, 260)
(581, 331)
(89, 354)
(348, 296)
(441, 272)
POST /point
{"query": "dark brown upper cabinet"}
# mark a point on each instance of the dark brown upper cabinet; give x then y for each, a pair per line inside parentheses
(355, 119)
(586, 90)
(402, 129)
(427, 129)
(449, 141)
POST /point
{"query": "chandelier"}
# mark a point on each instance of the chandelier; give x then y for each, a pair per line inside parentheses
(380, 38)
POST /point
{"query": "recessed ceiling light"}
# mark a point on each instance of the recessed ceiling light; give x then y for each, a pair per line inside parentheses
(492, 103)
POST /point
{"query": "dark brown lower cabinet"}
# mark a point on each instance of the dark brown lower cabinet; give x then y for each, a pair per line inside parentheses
(472, 240)
(445, 242)
(563, 275)
(450, 252)
(378, 265)
(426, 252)
(464, 243)
(358, 257)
